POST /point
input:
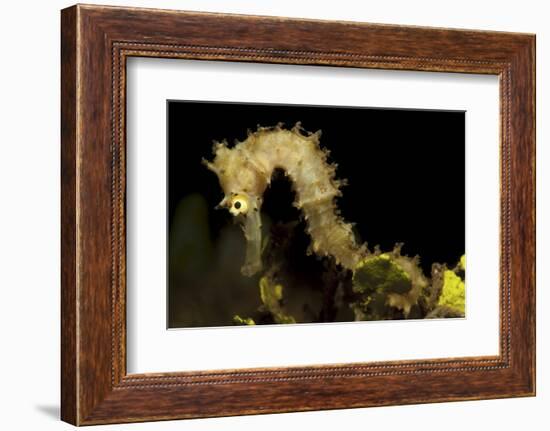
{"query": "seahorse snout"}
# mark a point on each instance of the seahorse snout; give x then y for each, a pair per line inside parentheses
(246, 210)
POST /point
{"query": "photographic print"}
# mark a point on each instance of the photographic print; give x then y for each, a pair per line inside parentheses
(240, 207)
(289, 214)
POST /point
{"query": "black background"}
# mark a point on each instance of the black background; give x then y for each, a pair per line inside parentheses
(405, 168)
(405, 172)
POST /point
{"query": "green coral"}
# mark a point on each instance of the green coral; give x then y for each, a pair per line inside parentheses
(380, 274)
(453, 294)
(388, 286)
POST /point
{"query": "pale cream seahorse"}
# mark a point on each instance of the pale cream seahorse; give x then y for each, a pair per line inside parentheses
(245, 171)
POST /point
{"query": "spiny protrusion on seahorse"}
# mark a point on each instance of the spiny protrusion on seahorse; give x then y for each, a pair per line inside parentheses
(245, 171)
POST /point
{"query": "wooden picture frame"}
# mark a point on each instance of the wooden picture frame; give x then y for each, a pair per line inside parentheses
(95, 43)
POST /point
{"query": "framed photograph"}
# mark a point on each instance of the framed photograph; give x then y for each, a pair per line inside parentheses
(329, 214)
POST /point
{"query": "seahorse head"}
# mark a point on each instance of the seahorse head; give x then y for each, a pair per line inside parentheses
(238, 179)
(243, 189)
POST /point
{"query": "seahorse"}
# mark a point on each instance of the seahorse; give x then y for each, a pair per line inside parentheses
(245, 170)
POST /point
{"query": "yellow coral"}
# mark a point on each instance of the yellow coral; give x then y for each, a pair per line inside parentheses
(238, 320)
(271, 295)
(453, 294)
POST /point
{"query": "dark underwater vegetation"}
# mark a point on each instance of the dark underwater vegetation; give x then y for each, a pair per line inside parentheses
(295, 287)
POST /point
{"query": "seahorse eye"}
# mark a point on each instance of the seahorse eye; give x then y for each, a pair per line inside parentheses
(239, 205)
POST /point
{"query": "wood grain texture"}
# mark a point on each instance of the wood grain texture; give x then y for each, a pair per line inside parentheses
(69, 366)
(96, 41)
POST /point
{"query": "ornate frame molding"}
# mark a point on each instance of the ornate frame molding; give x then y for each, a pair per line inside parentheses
(96, 41)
